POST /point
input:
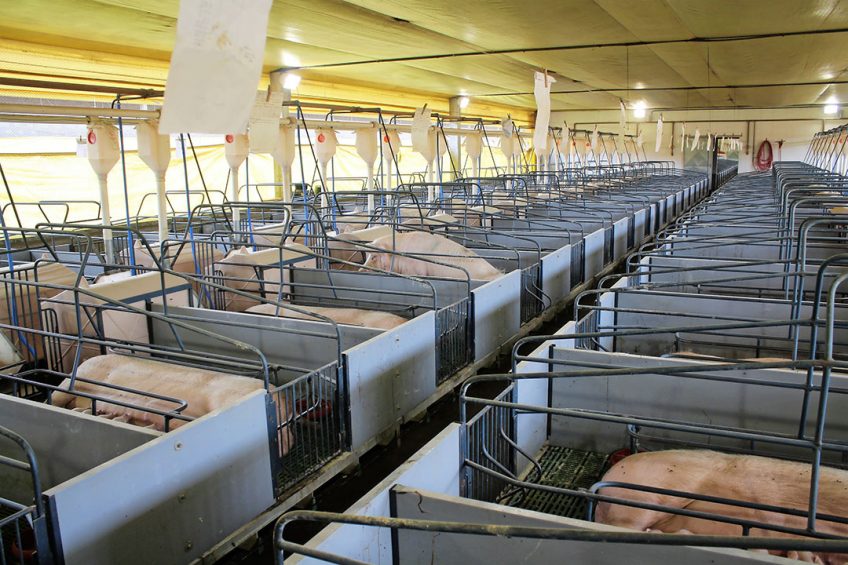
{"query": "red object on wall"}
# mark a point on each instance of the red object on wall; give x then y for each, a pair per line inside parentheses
(765, 156)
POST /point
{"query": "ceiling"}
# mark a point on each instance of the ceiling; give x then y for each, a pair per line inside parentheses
(346, 42)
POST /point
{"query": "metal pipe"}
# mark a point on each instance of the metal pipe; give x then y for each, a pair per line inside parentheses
(39, 110)
(80, 87)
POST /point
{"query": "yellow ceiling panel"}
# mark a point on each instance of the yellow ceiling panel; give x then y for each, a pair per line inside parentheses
(743, 17)
(507, 24)
(345, 43)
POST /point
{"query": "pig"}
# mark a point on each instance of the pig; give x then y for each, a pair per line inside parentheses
(341, 247)
(430, 246)
(203, 390)
(27, 298)
(739, 477)
(240, 272)
(183, 262)
(349, 316)
(117, 324)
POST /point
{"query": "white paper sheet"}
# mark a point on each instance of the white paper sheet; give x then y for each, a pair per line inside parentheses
(622, 120)
(542, 92)
(215, 66)
(508, 139)
(658, 144)
(265, 121)
(422, 141)
(696, 139)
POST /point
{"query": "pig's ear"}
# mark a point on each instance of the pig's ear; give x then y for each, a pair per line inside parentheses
(243, 250)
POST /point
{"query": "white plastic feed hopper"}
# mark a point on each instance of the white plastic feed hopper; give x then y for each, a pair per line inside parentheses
(391, 151)
(366, 148)
(103, 153)
(474, 148)
(284, 154)
(155, 150)
(325, 149)
(236, 148)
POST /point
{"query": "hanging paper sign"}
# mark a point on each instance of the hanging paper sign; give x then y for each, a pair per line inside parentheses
(696, 139)
(82, 147)
(422, 142)
(215, 66)
(622, 120)
(658, 143)
(542, 93)
(507, 146)
(264, 125)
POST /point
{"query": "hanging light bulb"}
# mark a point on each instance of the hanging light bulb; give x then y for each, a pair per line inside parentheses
(463, 102)
(291, 81)
(639, 109)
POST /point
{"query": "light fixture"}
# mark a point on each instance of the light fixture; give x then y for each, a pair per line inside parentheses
(831, 106)
(291, 81)
(463, 102)
(639, 109)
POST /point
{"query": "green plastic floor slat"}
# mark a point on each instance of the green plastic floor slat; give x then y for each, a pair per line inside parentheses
(566, 468)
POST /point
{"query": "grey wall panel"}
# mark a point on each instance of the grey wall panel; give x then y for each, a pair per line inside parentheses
(547, 240)
(620, 239)
(66, 443)
(497, 313)
(697, 401)
(376, 287)
(389, 375)
(667, 309)
(350, 335)
(173, 498)
(556, 274)
(639, 226)
(264, 332)
(594, 243)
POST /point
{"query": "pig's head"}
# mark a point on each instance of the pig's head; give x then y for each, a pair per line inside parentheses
(379, 259)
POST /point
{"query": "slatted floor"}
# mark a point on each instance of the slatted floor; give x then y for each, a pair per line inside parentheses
(567, 468)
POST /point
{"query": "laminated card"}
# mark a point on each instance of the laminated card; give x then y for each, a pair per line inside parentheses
(215, 66)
